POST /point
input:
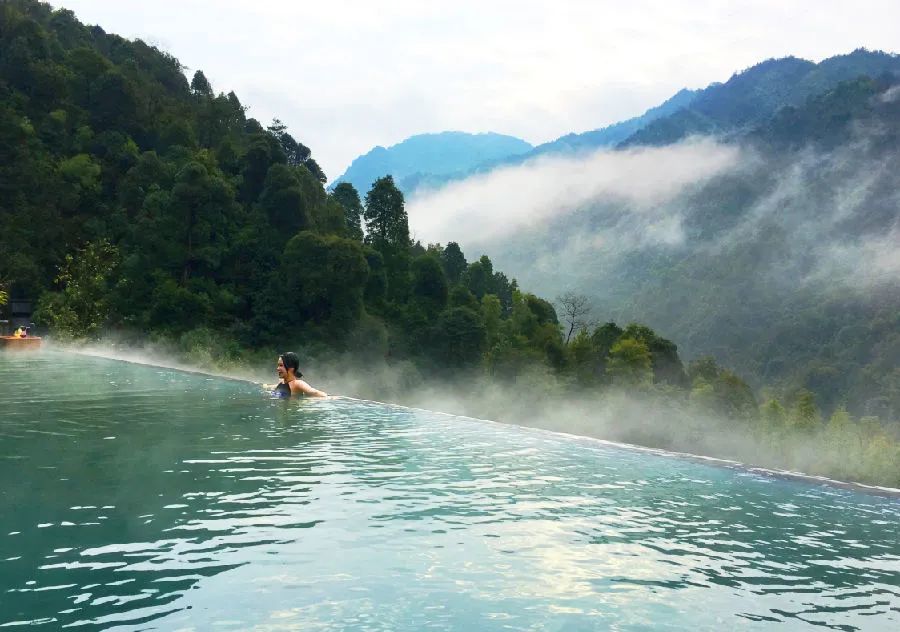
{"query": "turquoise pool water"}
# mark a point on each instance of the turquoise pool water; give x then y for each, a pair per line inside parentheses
(138, 498)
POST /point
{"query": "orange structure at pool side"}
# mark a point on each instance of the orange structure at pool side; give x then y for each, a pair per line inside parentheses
(15, 343)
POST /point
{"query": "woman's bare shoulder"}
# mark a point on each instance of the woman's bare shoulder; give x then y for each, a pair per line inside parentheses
(300, 386)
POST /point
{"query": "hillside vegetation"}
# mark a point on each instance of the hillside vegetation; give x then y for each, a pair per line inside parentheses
(785, 265)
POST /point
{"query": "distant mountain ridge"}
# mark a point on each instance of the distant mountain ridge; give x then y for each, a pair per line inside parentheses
(747, 99)
(425, 156)
(753, 96)
(609, 136)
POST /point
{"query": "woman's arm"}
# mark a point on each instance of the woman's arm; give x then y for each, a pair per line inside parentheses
(299, 386)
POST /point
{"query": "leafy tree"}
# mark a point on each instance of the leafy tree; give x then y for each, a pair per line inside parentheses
(204, 204)
(604, 337)
(542, 310)
(454, 262)
(200, 85)
(667, 367)
(283, 201)
(376, 288)
(583, 358)
(81, 308)
(387, 226)
(734, 397)
(387, 231)
(114, 102)
(429, 285)
(479, 277)
(705, 368)
(703, 395)
(774, 415)
(345, 193)
(313, 167)
(503, 288)
(262, 152)
(630, 362)
(460, 296)
(491, 315)
(805, 416)
(296, 153)
(321, 282)
(80, 176)
(459, 338)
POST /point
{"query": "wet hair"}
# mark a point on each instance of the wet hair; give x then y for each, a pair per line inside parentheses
(291, 361)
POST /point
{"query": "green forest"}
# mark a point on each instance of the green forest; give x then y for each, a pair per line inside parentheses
(139, 205)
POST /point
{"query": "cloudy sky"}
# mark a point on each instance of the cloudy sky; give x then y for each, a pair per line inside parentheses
(348, 75)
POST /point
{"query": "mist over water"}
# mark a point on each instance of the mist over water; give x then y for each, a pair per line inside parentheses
(642, 419)
(170, 500)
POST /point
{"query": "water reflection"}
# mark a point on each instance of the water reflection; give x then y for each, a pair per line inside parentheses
(149, 499)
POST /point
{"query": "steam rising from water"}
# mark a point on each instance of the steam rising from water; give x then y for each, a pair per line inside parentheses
(537, 399)
(585, 215)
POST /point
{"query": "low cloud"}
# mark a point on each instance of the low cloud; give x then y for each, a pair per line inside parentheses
(642, 180)
(829, 208)
(861, 264)
(812, 217)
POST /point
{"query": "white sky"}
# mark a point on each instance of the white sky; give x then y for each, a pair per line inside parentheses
(348, 75)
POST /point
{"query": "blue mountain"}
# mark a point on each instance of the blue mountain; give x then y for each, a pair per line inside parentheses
(426, 157)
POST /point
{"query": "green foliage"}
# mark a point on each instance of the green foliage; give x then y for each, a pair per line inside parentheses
(805, 416)
(460, 296)
(81, 308)
(347, 196)
(321, 283)
(723, 392)
(200, 85)
(387, 227)
(429, 285)
(773, 416)
(604, 337)
(543, 311)
(283, 201)
(479, 277)
(667, 367)
(583, 356)
(492, 316)
(459, 338)
(630, 363)
(454, 262)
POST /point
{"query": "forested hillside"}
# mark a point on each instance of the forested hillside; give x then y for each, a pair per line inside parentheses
(752, 97)
(138, 203)
(783, 265)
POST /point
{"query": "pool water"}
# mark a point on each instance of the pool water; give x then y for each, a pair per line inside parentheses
(140, 498)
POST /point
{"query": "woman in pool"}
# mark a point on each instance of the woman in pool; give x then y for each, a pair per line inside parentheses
(288, 369)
